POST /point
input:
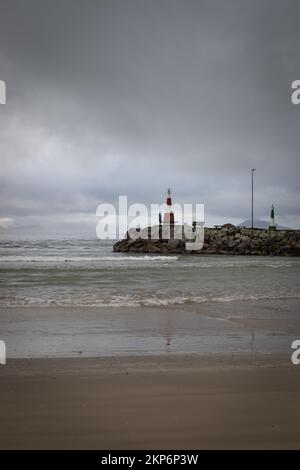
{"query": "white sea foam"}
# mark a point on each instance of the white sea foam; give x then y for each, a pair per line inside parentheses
(133, 301)
(56, 259)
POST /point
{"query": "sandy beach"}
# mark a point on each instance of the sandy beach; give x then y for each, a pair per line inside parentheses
(80, 378)
(149, 403)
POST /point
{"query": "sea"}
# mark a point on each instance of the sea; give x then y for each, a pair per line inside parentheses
(64, 297)
(86, 272)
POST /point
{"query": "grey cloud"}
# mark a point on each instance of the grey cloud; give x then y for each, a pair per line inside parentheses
(129, 97)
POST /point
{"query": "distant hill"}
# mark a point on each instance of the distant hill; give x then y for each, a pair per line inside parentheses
(260, 224)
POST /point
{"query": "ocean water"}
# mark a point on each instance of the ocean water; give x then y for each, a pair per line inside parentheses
(216, 304)
(85, 272)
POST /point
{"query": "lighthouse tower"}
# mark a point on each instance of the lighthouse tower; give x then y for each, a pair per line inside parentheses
(272, 225)
(169, 214)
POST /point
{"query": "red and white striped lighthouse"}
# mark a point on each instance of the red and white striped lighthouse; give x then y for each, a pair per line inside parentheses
(169, 214)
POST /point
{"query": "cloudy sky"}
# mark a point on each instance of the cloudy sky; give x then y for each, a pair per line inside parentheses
(110, 97)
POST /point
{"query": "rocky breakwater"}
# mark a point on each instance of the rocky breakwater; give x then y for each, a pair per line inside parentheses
(228, 240)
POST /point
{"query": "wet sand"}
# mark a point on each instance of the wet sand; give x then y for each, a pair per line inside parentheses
(174, 402)
(223, 328)
(217, 375)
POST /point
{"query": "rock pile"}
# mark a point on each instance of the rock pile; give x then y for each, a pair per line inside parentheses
(226, 240)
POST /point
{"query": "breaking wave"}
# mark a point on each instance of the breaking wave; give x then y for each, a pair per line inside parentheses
(133, 301)
(57, 259)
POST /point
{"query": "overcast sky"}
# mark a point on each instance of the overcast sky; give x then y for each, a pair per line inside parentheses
(133, 96)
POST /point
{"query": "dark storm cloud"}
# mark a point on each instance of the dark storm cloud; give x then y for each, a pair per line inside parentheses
(129, 97)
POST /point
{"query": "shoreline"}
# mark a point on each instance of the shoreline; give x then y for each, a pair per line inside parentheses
(217, 328)
(209, 329)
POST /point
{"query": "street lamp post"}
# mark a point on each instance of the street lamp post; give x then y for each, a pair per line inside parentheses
(252, 171)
